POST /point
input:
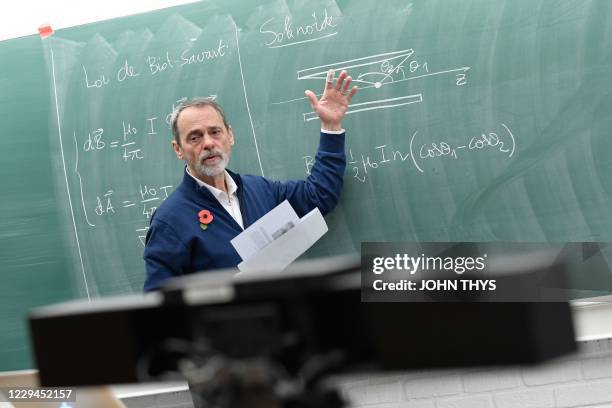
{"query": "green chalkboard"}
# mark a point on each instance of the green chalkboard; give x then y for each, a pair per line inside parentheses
(34, 259)
(476, 121)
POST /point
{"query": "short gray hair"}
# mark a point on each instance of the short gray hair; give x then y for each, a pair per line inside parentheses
(198, 102)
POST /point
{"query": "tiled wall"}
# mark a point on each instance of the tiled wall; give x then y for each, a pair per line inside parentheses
(580, 380)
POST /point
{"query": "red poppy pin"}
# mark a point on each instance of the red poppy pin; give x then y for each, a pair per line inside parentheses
(206, 218)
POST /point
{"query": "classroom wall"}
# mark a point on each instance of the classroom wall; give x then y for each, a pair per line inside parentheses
(581, 380)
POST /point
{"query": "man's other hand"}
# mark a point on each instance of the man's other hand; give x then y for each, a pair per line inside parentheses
(334, 102)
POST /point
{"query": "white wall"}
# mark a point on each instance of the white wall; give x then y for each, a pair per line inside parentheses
(23, 17)
(577, 381)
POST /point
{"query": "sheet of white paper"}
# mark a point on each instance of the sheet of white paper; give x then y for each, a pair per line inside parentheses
(265, 230)
(276, 256)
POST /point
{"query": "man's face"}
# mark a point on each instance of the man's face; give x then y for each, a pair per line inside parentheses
(206, 143)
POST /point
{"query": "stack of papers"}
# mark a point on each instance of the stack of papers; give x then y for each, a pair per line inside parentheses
(278, 238)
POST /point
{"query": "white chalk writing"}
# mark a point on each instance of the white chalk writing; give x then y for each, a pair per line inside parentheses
(288, 34)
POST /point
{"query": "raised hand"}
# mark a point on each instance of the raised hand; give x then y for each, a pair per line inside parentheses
(334, 102)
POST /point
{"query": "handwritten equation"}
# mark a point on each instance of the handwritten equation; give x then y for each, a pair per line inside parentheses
(126, 140)
(361, 165)
(97, 141)
(146, 202)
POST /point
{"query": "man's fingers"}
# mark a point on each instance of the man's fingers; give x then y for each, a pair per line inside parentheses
(312, 98)
(352, 93)
(340, 80)
(342, 85)
(346, 85)
(329, 82)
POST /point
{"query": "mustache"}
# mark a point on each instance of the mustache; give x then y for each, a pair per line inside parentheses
(213, 152)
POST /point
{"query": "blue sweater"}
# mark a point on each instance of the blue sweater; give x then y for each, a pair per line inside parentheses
(176, 244)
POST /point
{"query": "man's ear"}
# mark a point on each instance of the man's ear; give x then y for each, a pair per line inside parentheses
(177, 150)
(231, 133)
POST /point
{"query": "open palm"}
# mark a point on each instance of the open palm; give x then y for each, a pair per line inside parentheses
(334, 102)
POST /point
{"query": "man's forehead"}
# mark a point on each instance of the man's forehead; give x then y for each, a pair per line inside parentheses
(200, 116)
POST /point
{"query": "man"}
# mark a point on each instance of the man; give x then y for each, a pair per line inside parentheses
(192, 229)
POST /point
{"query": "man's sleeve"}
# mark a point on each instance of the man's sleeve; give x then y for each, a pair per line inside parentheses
(165, 255)
(323, 185)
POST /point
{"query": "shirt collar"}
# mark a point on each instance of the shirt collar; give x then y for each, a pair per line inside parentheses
(229, 181)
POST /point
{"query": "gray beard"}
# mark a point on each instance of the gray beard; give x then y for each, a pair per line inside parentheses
(211, 171)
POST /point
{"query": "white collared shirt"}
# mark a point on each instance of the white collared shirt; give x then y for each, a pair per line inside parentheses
(228, 200)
